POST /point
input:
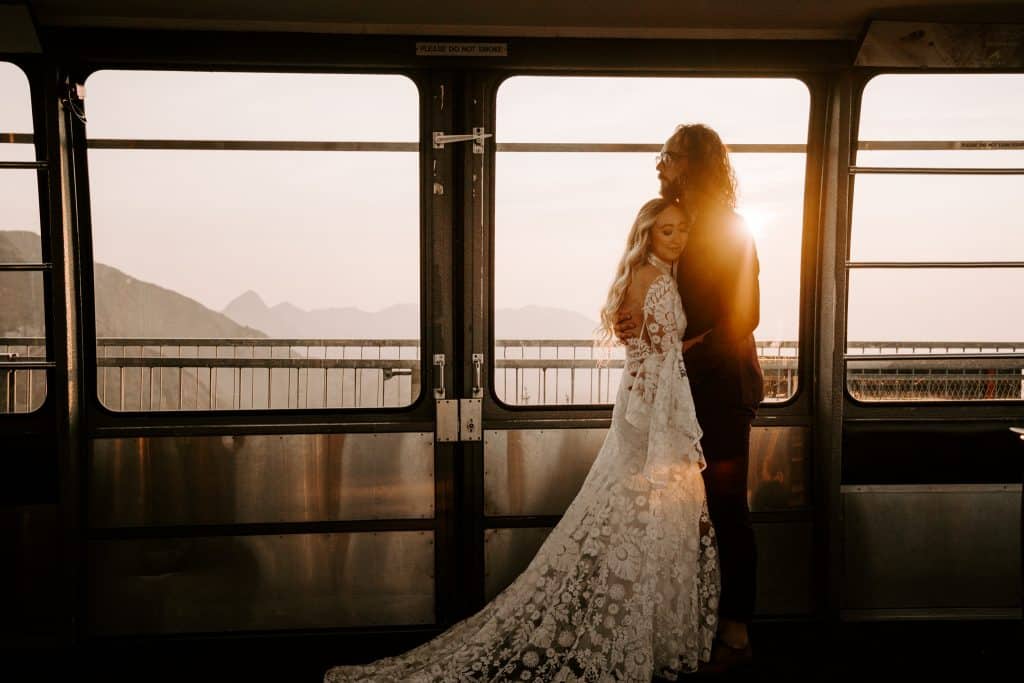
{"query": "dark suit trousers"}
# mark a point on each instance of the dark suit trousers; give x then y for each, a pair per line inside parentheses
(726, 445)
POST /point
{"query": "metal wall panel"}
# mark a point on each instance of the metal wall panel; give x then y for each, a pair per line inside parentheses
(294, 581)
(784, 557)
(536, 471)
(931, 547)
(778, 474)
(539, 472)
(784, 584)
(31, 576)
(260, 478)
(507, 553)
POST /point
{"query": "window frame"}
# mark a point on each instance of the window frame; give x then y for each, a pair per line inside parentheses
(857, 409)
(104, 421)
(46, 171)
(796, 409)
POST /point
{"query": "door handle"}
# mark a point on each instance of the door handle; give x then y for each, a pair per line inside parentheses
(439, 364)
(478, 385)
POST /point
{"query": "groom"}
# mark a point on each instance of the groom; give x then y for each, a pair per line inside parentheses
(717, 277)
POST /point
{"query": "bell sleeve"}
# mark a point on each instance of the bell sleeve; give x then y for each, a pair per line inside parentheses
(660, 402)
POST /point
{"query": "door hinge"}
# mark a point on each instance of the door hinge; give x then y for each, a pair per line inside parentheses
(459, 420)
(470, 412)
(447, 420)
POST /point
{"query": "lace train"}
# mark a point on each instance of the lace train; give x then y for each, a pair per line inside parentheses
(626, 585)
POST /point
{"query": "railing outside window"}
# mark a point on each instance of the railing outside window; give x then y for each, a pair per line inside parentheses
(136, 374)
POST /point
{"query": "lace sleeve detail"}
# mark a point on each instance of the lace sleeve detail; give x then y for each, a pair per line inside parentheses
(660, 401)
(663, 324)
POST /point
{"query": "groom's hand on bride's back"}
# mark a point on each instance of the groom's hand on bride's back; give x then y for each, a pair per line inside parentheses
(625, 326)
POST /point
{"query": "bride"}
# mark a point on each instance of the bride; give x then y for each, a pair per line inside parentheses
(626, 585)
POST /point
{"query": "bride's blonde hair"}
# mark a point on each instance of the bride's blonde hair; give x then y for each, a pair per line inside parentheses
(638, 244)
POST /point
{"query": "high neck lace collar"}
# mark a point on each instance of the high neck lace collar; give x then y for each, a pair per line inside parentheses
(664, 266)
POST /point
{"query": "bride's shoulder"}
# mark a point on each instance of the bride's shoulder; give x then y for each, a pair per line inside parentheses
(643, 276)
(646, 281)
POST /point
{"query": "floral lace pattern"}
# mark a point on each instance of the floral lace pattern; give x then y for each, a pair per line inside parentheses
(658, 399)
(626, 585)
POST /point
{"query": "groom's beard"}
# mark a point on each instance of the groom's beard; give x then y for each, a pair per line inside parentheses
(669, 190)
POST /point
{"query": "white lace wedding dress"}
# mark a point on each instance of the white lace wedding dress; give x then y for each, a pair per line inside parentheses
(626, 585)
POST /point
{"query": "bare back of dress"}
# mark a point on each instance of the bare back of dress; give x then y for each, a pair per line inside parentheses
(626, 585)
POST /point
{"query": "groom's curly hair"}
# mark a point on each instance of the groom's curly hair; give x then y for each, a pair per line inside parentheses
(710, 179)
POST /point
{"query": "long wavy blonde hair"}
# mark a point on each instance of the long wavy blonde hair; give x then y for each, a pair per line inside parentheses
(638, 243)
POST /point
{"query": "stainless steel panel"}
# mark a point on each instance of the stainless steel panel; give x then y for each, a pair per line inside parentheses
(470, 411)
(538, 472)
(931, 547)
(783, 564)
(779, 469)
(31, 579)
(507, 553)
(919, 44)
(784, 557)
(213, 584)
(260, 478)
(447, 420)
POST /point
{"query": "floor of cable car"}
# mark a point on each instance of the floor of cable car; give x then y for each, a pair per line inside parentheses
(863, 649)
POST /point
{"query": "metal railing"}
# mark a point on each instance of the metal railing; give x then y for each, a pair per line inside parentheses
(573, 371)
(22, 374)
(936, 371)
(243, 374)
(153, 374)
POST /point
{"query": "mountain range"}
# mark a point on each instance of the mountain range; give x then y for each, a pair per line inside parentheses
(125, 306)
(129, 307)
(21, 293)
(401, 321)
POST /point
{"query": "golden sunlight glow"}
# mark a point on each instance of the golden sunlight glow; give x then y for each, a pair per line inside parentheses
(757, 220)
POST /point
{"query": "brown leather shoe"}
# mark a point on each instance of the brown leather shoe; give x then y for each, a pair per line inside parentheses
(728, 659)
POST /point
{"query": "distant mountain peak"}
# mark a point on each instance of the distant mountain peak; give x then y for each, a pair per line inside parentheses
(247, 299)
(287, 307)
(246, 308)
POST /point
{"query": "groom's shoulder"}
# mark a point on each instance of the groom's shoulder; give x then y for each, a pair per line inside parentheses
(733, 222)
(730, 230)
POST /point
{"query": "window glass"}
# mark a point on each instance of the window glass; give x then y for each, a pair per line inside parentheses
(938, 121)
(561, 217)
(15, 115)
(937, 218)
(980, 107)
(19, 188)
(248, 253)
(22, 326)
(936, 305)
(942, 121)
(935, 312)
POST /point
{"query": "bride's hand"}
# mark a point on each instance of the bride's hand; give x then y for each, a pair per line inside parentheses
(625, 327)
(690, 343)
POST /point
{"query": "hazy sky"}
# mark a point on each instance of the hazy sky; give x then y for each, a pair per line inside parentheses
(325, 229)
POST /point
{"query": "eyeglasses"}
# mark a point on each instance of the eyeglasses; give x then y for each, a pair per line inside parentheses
(668, 157)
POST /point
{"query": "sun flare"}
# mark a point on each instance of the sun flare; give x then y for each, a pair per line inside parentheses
(756, 220)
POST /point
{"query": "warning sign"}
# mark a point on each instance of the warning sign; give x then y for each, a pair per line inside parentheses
(462, 49)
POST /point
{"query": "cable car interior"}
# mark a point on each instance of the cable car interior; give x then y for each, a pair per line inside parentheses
(298, 300)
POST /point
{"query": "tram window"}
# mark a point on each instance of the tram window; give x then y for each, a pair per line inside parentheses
(562, 216)
(918, 329)
(256, 240)
(22, 323)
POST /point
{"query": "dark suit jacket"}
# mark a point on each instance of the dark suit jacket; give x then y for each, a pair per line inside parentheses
(717, 276)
